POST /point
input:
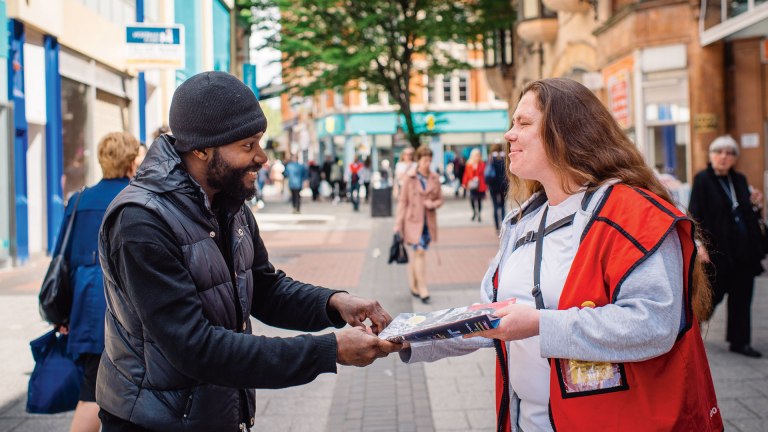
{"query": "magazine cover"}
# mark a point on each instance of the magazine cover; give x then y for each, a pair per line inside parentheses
(443, 324)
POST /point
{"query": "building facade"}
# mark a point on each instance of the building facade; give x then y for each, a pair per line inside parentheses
(68, 83)
(457, 111)
(674, 73)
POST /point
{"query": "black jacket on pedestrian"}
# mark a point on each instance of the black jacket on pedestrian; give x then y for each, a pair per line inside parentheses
(499, 183)
(711, 207)
(182, 276)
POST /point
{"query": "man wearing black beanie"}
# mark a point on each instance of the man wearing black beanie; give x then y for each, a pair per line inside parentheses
(184, 267)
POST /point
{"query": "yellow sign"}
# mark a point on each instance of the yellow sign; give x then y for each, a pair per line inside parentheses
(330, 124)
(430, 122)
(705, 122)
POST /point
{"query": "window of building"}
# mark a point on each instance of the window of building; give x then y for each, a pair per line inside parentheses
(74, 110)
(372, 95)
(430, 87)
(447, 95)
(463, 88)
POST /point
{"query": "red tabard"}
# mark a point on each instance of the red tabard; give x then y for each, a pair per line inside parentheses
(671, 392)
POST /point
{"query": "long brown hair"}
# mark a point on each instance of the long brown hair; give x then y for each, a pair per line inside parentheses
(587, 147)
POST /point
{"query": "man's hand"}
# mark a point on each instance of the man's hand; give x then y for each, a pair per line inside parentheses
(359, 347)
(517, 322)
(354, 310)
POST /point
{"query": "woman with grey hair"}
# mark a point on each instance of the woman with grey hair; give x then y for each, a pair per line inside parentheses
(721, 203)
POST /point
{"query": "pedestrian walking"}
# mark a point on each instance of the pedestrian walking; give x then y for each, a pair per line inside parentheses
(353, 173)
(474, 182)
(185, 268)
(337, 182)
(720, 202)
(119, 156)
(458, 173)
(296, 174)
(496, 179)
(416, 221)
(402, 167)
(609, 337)
(365, 178)
(314, 179)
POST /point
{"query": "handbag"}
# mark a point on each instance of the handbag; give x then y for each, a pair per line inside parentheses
(54, 385)
(473, 184)
(56, 291)
(397, 252)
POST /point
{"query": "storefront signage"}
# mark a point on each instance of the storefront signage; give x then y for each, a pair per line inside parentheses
(705, 122)
(750, 140)
(149, 46)
(618, 82)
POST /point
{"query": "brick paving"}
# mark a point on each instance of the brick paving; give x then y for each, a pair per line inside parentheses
(333, 246)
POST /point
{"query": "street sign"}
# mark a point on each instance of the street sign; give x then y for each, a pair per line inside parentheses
(151, 46)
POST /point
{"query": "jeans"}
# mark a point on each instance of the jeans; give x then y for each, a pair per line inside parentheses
(497, 198)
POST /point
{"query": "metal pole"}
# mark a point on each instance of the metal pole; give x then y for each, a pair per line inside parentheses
(142, 84)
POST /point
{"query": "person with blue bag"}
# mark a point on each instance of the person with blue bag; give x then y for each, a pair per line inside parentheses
(118, 154)
(497, 183)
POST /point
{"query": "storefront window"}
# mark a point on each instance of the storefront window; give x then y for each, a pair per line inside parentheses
(74, 107)
(220, 37)
(667, 117)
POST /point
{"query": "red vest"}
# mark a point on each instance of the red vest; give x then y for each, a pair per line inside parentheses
(671, 392)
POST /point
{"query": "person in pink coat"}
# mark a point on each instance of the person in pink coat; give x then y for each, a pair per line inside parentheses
(416, 222)
(474, 182)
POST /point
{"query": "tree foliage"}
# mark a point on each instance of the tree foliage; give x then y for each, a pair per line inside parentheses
(333, 44)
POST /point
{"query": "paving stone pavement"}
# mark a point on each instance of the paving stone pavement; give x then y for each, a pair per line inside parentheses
(450, 395)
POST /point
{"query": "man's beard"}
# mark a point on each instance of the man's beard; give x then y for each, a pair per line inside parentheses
(229, 180)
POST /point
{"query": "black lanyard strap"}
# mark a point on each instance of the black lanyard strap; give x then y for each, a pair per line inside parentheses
(532, 236)
(538, 238)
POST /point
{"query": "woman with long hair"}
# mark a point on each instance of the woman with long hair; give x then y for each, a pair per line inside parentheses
(474, 182)
(604, 334)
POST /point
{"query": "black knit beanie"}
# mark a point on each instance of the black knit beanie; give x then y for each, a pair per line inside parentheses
(214, 109)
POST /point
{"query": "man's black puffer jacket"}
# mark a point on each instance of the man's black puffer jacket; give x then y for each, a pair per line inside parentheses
(191, 363)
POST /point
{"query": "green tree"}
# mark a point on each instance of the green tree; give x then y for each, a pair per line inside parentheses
(331, 44)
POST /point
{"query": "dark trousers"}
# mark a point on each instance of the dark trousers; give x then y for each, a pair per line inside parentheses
(497, 198)
(740, 286)
(296, 199)
(354, 195)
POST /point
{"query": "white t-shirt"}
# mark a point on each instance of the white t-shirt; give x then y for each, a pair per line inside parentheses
(528, 371)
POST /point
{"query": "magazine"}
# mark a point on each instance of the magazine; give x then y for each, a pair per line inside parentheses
(443, 324)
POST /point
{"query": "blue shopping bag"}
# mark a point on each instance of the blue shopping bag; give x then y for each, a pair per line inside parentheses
(55, 382)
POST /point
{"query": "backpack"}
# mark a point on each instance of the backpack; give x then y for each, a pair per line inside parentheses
(490, 171)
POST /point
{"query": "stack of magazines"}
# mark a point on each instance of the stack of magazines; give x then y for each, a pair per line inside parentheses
(443, 324)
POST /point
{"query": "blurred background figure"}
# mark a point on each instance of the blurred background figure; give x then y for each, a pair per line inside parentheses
(296, 173)
(119, 156)
(420, 197)
(474, 181)
(365, 178)
(402, 167)
(720, 202)
(458, 174)
(314, 179)
(276, 175)
(353, 176)
(262, 180)
(496, 179)
(386, 172)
